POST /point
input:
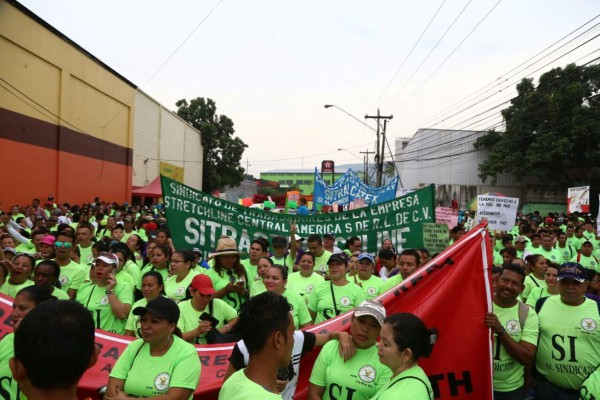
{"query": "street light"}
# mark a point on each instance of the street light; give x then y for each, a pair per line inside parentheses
(347, 113)
(352, 154)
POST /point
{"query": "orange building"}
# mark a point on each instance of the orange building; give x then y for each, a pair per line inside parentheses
(66, 118)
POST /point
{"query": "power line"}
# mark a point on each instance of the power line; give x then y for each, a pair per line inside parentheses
(409, 54)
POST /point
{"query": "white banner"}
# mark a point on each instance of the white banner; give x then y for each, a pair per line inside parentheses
(499, 211)
(578, 199)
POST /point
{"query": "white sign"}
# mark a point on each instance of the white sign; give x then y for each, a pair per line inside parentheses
(499, 211)
(578, 199)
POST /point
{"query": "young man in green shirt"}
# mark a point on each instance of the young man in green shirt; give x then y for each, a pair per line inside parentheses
(258, 249)
(515, 340)
(566, 251)
(569, 341)
(547, 250)
(586, 258)
(72, 275)
(315, 246)
(267, 329)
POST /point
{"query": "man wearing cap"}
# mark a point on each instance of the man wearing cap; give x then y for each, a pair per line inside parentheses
(520, 244)
(569, 343)
(127, 228)
(515, 326)
(370, 284)
(328, 240)
(202, 312)
(585, 258)
(280, 255)
(315, 246)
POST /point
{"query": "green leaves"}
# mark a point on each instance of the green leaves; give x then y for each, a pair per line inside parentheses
(222, 151)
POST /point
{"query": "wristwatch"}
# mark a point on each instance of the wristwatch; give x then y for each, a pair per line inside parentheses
(502, 332)
(109, 291)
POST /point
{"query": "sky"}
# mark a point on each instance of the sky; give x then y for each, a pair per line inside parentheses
(271, 66)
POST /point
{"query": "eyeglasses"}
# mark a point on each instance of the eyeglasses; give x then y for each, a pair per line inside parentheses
(66, 245)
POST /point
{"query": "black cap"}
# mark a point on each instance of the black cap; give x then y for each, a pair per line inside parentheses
(329, 235)
(386, 254)
(161, 307)
(337, 257)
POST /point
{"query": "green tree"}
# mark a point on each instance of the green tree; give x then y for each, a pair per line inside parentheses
(222, 151)
(552, 130)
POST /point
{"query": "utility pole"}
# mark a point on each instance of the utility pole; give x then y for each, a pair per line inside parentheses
(379, 156)
(366, 166)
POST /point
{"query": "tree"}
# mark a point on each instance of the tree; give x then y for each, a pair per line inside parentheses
(552, 130)
(222, 151)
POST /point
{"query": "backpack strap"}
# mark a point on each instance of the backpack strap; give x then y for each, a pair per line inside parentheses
(540, 303)
(412, 377)
(534, 281)
(523, 313)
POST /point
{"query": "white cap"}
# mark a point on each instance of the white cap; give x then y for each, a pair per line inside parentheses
(372, 308)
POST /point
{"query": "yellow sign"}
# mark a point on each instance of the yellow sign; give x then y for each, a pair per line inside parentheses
(171, 171)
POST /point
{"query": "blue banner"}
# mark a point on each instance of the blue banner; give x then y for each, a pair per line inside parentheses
(349, 188)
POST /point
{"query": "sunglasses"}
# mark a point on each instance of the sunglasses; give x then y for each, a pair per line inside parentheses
(66, 245)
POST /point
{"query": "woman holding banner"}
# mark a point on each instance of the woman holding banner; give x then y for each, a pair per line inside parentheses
(228, 275)
(405, 339)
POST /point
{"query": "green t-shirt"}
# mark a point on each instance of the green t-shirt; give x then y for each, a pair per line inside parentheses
(134, 271)
(359, 378)
(11, 290)
(508, 372)
(574, 242)
(405, 386)
(302, 285)
(72, 276)
(552, 255)
(566, 253)
(536, 294)
(219, 281)
(346, 298)
(285, 261)
(531, 282)
(149, 267)
(60, 294)
(587, 261)
(148, 376)
(591, 236)
(590, 388)
(371, 287)
(86, 257)
(8, 385)
(298, 308)
(321, 262)
(95, 299)
(132, 323)
(177, 290)
(189, 317)
(124, 277)
(251, 270)
(257, 288)
(569, 345)
(391, 282)
(497, 258)
(239, 387)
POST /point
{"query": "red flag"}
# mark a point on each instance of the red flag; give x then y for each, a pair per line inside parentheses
(451, 293)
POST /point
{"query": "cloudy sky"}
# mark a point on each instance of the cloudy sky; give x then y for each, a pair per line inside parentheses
(272, 65)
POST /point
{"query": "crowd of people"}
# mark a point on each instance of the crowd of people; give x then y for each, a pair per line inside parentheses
(119, 263)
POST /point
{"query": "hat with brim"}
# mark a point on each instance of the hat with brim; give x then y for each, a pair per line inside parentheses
(162, 307)
(226, 246)
(49, 240)
(366, 256)
(572, 270)
(372, 308)
(298, 238)
(9, 250)
(337, 257)
(108, 258)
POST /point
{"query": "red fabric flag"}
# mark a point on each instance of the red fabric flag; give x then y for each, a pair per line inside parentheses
(451, 293)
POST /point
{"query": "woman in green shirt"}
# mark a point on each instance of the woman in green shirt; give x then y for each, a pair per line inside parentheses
(306, 279)
(159, 261)
(135, 243)
(551, 288)
(228, 275)
(405, 339)
(262, 266)
(20, 269)
(181, 269)
(153, 286)
(161, 364)
(275, 280)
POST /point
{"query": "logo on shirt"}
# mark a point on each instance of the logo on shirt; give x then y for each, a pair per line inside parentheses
(345, 301)
(367, 374)
(161, 382)
(372, 291)
(104, 301)
(589, 325)
(512, 326)
(63, 279)
(322, 268)
(180, 291)
(309, 289)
